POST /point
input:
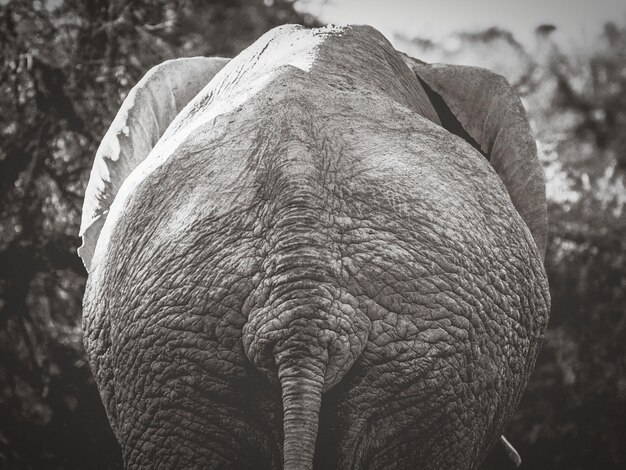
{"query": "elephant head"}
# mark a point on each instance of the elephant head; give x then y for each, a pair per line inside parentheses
(319, 254)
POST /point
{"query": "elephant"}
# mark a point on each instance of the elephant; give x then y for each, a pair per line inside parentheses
(321, 253)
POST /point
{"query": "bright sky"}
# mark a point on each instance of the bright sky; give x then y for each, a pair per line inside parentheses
(579, 20)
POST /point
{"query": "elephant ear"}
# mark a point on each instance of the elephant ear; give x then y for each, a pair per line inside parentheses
(483, 109)
(144, 116)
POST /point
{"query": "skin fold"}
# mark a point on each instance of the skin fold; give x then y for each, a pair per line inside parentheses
(309, 270)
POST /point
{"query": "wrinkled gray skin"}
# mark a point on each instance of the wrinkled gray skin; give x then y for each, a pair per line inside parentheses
(316, 272)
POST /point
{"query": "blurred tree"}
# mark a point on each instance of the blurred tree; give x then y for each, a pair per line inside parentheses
(65, 67)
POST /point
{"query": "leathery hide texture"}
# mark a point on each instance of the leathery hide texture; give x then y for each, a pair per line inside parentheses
(319, 254)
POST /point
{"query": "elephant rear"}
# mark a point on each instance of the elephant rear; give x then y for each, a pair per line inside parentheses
(310, 270)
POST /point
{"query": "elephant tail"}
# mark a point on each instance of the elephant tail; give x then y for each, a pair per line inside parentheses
(304, 338)
(302, 383)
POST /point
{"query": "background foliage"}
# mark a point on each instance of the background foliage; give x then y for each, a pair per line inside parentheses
(65, 67)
